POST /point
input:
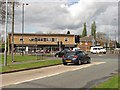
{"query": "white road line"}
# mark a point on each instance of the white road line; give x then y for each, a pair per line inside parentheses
(84, 66)
(38, 78)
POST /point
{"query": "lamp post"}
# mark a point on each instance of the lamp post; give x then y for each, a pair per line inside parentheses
(6, 20)
(115, 40)
(12, 31)
(115, 36)
(23, 25)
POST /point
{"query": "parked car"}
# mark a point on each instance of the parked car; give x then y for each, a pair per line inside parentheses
(75, 49)
(76, 57)
(98, 49)
(61, 53)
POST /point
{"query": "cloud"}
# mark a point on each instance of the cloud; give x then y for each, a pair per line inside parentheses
(58, 16)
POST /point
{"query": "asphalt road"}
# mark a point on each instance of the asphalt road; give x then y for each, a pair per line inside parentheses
(75, 76)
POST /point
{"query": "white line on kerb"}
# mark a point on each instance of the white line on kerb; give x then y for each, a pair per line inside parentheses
(60, 72)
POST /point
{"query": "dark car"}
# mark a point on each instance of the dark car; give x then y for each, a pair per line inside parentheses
(61, 53)
(76, 57)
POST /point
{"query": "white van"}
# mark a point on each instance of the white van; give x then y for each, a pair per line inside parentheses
(98, 49)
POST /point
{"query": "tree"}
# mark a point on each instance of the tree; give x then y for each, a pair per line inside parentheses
(101, 35)
(93, 29)
(80, 35)
(3, 10)
(84, 33)
(68, 32)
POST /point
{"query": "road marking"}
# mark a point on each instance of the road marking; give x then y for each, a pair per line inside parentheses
(79, 67)
(88, 65)
(100, 55)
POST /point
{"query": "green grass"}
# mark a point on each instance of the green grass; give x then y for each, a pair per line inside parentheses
(29, 65)
(25, 62)
(20, 58)
(111, 83)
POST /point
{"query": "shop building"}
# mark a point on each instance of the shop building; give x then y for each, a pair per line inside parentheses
(37, 42)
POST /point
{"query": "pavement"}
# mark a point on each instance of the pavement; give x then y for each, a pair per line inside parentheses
(29, 75)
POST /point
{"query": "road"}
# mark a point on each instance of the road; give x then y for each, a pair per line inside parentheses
(71, 76)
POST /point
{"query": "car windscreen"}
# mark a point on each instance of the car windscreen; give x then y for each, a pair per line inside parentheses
(94, 48)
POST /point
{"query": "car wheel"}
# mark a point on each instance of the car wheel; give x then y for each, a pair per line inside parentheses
(79, 62)
(104, 52)
(89, 61)
(57, 56)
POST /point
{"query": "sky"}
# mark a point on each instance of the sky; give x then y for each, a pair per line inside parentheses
(59, 16)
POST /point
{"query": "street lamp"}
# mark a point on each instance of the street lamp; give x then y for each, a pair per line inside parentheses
(6, 25)
(23, 24)
(115, 36)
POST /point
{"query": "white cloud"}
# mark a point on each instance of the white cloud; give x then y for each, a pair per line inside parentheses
(56, 16)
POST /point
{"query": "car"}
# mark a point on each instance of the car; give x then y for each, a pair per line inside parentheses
(61, 53)
(76, 48)
(76, 57)
(98, 49)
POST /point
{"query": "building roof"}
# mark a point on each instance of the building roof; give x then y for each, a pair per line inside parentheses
(102, 40)
(42, 34)
(91, 38)
(87, 38)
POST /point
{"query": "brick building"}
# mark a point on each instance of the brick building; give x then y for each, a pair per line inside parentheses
(88, 41)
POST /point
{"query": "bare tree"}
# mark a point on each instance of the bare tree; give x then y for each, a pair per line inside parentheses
(3, 10)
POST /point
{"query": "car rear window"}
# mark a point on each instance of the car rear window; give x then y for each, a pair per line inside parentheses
(74, 52)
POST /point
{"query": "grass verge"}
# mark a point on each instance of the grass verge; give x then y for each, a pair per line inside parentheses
(20, 58)
(29, 65)
(112, 83)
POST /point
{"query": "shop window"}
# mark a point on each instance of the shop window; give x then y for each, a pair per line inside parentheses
(80, 43)
(53, 39)
(86, 43)
(56, 39)
(45, 39)
(38, 39)
(41, 39)
(66, 39)
(21, 39)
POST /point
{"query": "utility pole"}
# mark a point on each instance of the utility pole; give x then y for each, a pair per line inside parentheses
(6, 25)
(12, 31)
(22, 26)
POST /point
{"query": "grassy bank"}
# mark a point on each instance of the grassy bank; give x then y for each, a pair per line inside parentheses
(29, 65)
(113, 82)
(25, 62)
(20, 58)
